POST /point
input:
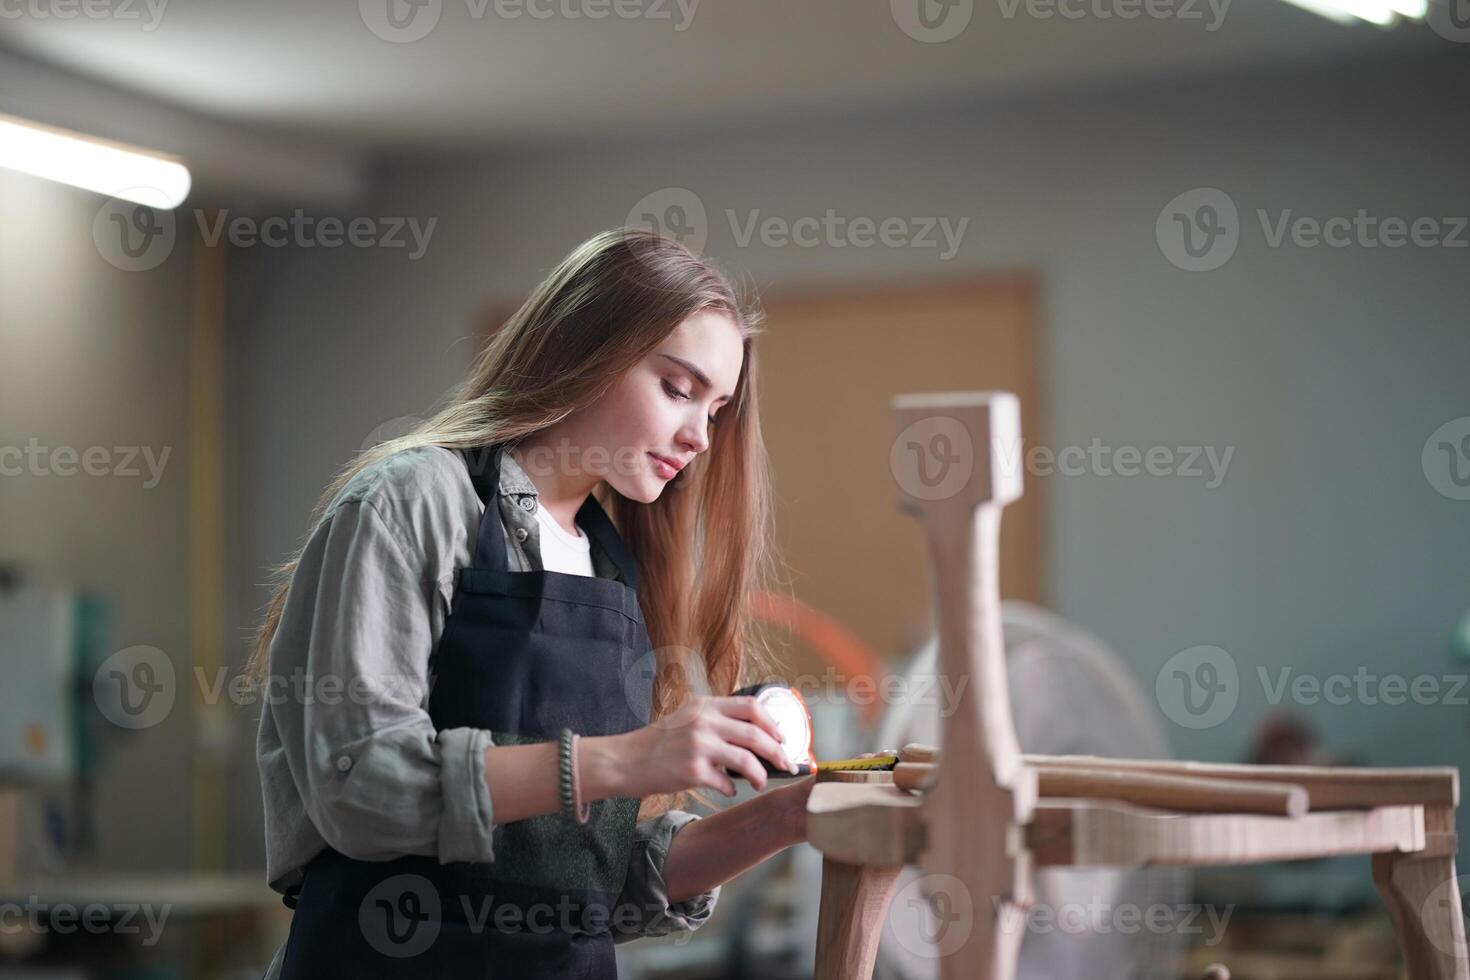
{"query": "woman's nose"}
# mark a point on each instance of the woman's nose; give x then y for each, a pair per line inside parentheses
(694, 438)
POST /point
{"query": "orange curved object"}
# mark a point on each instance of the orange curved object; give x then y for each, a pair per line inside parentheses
(837, 645)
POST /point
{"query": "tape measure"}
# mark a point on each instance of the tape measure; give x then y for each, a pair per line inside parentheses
(794, 722)
(871, 762)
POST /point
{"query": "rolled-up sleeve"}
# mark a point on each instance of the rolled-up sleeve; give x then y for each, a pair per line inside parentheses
(644, 909)
(375, 777)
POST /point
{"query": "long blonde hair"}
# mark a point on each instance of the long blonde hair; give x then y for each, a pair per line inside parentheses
(604, 308)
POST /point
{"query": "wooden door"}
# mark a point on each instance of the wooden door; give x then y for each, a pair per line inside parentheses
(830, 360)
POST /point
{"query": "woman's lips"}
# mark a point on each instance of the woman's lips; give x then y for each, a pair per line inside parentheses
(664, 468)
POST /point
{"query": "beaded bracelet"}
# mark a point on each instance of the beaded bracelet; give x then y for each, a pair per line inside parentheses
(571, 795)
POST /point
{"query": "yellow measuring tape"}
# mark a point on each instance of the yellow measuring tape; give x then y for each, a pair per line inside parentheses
(872, 762)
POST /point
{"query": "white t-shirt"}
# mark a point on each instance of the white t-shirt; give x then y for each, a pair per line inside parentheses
(563, 552)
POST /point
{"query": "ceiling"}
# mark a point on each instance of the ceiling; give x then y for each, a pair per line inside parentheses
(489, 72)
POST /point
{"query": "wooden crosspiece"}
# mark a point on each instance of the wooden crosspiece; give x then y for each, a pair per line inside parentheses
(979, 817)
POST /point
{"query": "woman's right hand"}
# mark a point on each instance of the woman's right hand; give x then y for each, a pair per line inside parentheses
(693, 746)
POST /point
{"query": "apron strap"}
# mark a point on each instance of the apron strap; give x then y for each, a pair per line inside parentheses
(600, 527)
(484, 467)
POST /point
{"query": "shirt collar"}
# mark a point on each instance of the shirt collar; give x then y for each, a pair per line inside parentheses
(513, 479)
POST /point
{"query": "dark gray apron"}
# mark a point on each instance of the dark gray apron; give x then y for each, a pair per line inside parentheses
(523, 654)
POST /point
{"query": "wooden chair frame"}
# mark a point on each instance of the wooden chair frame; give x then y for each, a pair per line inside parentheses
(980, 816)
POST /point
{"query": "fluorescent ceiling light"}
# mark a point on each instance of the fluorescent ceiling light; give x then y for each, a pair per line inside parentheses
(1384, 13)
(112, 169)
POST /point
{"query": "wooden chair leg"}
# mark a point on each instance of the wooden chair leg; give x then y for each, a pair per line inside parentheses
(992, 950)
(1422, 896)
(850, 922)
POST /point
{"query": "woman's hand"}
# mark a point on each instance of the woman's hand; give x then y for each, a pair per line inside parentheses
(692, 748)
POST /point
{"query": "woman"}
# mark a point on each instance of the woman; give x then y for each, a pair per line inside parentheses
(480, 719)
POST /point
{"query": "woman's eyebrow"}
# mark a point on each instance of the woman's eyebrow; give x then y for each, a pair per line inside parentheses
(699, 375)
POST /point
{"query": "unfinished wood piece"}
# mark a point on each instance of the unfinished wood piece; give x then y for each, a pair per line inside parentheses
(1088, 833)
(956, 462)
(1187, 794)
(1422, 895)
(872, 823)
(850, 919)
(981, 823)
(1328, 787)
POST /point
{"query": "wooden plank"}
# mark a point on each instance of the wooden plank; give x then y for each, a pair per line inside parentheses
(1328, 787)
(1073, 833)
(1186, 794)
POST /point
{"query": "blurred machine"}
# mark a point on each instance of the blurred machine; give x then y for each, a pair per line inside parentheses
(1070, 695)
(50, 730)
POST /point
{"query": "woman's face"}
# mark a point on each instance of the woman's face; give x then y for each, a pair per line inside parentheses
(657, 417)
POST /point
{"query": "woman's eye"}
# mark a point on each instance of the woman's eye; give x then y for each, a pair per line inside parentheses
(674, 393)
